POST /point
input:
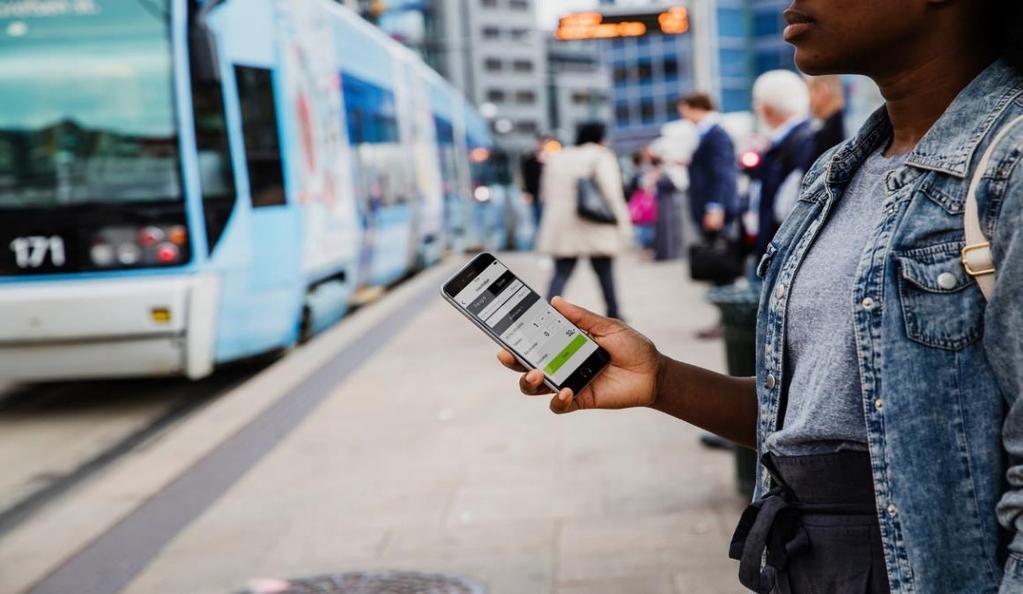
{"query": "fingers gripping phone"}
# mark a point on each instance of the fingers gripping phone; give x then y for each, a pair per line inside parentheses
(518, 319)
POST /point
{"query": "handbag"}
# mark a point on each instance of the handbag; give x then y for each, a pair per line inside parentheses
(643, 207)
(591, 204)
(719, 261)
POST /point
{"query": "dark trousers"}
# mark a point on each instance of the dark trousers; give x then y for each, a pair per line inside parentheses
(818, 527)
(563, 268)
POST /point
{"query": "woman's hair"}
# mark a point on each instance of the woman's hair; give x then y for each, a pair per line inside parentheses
(590, 132)
(1008, 17)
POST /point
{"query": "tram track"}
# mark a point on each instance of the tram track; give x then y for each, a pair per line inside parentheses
(97, 430)
(164, 402)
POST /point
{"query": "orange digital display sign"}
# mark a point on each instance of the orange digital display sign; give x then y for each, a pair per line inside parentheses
(594, 25)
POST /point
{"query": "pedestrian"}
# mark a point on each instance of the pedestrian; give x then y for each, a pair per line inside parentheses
(668, 225)
(531, 168)
(566, 236)
(713, 171)
(887, 400)
(642, 197)
(827, 106)
(782, 103)
(713, 177)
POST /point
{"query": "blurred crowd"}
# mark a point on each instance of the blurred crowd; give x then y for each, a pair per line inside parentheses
(713, 188)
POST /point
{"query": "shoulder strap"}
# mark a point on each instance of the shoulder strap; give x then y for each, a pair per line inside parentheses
(977, 258)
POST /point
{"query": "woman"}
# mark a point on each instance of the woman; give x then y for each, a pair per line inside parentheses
(566, 236)
(887, 398)
(642, 202)
(668, 227)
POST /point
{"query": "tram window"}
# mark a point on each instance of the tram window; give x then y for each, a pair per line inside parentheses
(216, 175)
(262, 140)
(380, 162)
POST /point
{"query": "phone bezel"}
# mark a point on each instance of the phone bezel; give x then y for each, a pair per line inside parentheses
(580, 378)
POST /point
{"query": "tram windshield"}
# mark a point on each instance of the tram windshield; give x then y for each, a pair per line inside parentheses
(86, 103)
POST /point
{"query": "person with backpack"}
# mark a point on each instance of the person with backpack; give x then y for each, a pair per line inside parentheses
(887, 404)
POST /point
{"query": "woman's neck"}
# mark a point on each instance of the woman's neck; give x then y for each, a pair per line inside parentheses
(917, 95)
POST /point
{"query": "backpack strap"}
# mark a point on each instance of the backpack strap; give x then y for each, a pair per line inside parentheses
(977, 258)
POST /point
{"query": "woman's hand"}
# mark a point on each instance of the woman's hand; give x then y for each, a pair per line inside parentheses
(630, 380)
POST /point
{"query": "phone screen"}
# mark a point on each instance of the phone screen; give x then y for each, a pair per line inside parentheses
(528, 324)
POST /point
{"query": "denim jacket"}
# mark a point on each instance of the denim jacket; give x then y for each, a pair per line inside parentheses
(941, 369)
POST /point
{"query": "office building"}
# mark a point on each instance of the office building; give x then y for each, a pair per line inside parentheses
(579, 87)
(727, 45)
(498, 58)
(648, 73)
(769, 51)
(490, 49)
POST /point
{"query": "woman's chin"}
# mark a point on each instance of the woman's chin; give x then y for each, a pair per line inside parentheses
(816, 63)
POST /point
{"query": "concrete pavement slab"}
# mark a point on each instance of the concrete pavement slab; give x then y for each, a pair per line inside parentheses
(425, 457)
(31, 552)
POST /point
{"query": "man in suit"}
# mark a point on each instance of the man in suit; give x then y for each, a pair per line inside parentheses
(827, 105)
(713, 170)
(782, 103)
(713, 176)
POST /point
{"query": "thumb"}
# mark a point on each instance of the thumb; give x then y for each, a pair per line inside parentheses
(586, 320)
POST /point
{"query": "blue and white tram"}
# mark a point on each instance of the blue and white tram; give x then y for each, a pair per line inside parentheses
(184, 184)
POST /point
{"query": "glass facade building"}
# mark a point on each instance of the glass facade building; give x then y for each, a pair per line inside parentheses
(769, 51)
(647, 74)
(739, 40)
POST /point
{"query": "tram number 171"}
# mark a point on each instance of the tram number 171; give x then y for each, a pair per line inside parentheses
(33, 251)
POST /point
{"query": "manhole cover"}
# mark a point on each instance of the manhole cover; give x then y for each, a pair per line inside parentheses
(370, 582)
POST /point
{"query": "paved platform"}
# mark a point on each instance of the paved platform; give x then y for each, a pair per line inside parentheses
(396, 442)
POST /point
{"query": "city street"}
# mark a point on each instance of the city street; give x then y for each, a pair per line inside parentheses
(392, 441)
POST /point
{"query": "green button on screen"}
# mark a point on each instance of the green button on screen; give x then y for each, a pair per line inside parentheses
(566, 354)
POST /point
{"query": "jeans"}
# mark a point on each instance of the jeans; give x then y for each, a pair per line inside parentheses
(563, 268)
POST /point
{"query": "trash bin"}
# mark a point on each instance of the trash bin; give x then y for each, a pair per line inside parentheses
(738, 305)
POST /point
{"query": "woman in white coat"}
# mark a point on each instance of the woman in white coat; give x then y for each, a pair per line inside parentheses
(567, 237)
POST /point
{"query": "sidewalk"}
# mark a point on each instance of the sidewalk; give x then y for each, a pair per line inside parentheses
(427, 458)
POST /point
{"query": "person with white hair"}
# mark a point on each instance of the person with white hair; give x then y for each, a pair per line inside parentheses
(827, 106)
(782, 103)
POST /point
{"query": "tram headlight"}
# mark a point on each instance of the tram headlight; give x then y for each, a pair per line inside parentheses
(102, 254)
(167, 253)
(149, 245)
(150, 236)
(178, 235)
(128, 254)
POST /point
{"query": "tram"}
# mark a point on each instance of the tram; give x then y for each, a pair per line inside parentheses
(184, 184)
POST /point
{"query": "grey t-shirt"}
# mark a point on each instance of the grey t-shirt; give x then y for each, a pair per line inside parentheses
(825, 406)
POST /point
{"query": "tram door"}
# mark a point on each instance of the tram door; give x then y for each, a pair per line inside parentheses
(275, 230)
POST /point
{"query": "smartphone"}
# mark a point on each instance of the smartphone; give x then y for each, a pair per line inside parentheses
(522, 322)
